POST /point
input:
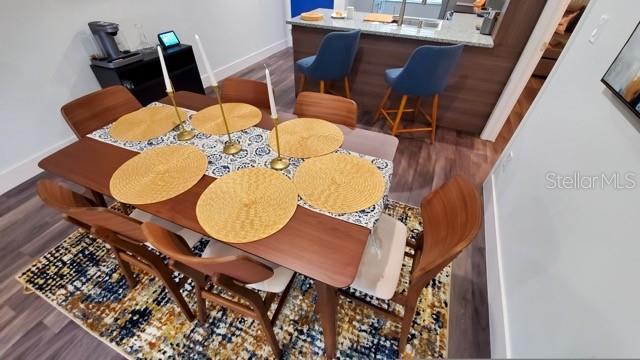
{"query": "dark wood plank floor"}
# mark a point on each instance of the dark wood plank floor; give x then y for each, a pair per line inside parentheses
(31, 328)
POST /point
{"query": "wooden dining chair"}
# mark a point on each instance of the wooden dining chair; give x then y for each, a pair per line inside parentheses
(122, 233)
(452, 216)
(234, 271)
(246, 91)
(335, 109)
(93, 111)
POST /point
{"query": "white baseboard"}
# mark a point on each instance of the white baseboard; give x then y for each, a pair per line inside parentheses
(244, 62)
(28, 168)
(498, 321)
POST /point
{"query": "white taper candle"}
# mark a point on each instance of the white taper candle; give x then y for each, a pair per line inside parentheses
(272, 101)
(165, 74)
(207, 66)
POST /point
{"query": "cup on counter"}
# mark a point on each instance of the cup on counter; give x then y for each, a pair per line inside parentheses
(351, 12)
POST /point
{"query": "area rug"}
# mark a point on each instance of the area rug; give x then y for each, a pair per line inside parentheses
(80, 277)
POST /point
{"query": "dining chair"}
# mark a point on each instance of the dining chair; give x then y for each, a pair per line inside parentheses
(452, 216)
(246, 91)
(122, 233)
(335, 109)
(233, 270)
(332, 62)
(425, 74)
(93, 111)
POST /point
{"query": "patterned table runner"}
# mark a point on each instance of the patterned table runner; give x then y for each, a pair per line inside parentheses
(255, 152)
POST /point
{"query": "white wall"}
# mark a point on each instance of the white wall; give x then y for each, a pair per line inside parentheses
(564, 265)
(44, 61)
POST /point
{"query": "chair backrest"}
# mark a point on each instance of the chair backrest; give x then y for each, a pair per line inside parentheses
(93, 111)
(451, 216)
(427, 70)
(60, 197)
(245, 91)
(124, 226)
(240, 268)
(335, 56)
(335, 109)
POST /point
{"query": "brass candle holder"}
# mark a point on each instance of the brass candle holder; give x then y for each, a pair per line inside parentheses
(278, 163)
(231, 147)
(183, 134)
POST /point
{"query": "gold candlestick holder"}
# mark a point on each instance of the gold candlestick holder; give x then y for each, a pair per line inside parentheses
(231, 147)
(278, 163)
(183, 134)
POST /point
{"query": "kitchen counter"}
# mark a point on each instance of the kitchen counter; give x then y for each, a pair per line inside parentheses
(461, 29)
(473, 88)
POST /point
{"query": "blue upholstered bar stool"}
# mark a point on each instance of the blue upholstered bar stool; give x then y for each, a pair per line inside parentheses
(333, 60)
(425, 74)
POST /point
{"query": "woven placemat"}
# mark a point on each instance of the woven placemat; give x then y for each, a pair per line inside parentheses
(247, 205)
(146, 123)
(158, 174)
(307, 137)
(339, 183)
(239, 116)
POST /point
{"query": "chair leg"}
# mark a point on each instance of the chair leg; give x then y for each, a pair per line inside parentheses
(385, 98)
(263, 317)
(396, 124)
(301, 87)
(99, 198)
(407, 321)
(281, 301)
(321, 86)
(202, 305)
(434, 115)
(125, 268)
(346, 88)
(173, 289)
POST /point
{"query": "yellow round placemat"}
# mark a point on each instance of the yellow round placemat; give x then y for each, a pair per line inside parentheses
(339, 183)
(146, 123)
(239, 116)
(307, 137)
(247, 205)
(158, 174)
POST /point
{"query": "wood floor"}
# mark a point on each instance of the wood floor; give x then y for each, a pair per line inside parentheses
(31, 328)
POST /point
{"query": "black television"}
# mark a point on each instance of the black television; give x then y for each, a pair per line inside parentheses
(623, 76)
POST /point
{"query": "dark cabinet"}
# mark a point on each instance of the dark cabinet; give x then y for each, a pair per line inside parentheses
(144, 78)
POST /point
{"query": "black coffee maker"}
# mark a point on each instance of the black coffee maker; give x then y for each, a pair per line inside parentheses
(104, 34)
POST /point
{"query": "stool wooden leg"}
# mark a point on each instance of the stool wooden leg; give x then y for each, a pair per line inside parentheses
(434, 114)
(346, 88)
(383, 103)
(403, 103)
(321, 86)
(301, 88)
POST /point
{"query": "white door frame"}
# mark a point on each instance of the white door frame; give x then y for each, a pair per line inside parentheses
(540, 36)
(287, 16)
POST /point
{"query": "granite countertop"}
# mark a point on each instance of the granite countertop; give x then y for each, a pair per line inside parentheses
(460, 30)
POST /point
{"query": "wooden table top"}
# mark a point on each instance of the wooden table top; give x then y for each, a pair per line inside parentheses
(319, 246)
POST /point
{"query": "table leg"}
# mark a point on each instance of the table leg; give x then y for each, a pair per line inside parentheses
(328, 308)
(99, 198)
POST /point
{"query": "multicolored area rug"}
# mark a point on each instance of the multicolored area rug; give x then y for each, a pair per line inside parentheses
(81, 278)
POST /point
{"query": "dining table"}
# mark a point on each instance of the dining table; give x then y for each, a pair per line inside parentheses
(323, 248)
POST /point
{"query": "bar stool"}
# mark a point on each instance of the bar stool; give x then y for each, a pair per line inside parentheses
(333, 60)
(425, 74)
